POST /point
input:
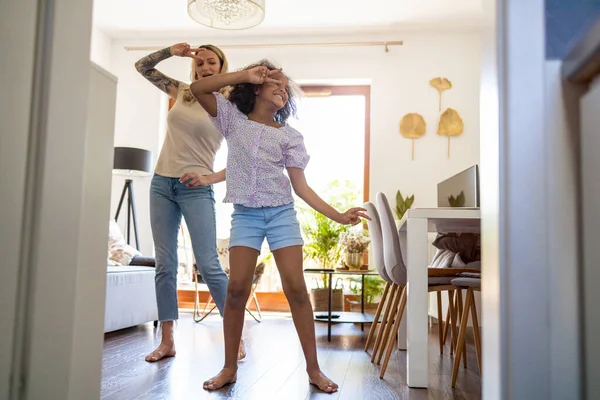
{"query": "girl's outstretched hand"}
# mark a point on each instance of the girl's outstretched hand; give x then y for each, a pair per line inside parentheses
(259, 75)
(184, 50)
(353, 216)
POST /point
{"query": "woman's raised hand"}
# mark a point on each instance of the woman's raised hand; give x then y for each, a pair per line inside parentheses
(184, 50)
(259, 75)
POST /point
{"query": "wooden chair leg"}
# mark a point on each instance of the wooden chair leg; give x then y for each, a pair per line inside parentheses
(387, 312)
(460, 345)
(257, 306)
(197, 316)
(476, 332)
(447, 321)
(454, 322)
(388, 325)
(440, 322)
(392, 334)
(461, 311)
(252, 297)
(371, 335)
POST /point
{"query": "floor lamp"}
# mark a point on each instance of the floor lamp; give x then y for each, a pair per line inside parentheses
(131, 162)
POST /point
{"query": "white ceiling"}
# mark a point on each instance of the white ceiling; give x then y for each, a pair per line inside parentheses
(155, 18)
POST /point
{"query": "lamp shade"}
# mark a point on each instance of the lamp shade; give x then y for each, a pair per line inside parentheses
(132, 161)
(227, 14)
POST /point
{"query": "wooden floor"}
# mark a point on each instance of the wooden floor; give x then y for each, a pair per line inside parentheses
(274, 367)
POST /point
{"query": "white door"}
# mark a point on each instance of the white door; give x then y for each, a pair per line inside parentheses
(49, 342)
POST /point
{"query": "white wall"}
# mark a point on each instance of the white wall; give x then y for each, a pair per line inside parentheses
(100, 48)
(400, 84)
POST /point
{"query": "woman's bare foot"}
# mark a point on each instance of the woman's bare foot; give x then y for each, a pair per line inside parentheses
(225, 377)
(167, 344)
(319, 379)
(241, 351)
(165, 349)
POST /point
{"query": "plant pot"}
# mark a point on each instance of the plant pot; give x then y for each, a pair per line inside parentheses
(353, 260)
(370, 308)
(320, 298)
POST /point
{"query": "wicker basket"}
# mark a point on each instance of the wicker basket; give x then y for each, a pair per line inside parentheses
(320, 299)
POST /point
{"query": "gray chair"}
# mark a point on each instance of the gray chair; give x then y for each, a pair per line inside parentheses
(390, 287)
(471, 285)
(396, 270)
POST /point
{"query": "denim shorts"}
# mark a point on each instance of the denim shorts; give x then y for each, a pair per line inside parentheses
(279, 225)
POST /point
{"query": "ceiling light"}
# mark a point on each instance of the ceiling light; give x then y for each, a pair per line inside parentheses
(227, 14)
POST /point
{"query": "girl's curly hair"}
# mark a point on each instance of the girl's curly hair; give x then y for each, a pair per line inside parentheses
(243, 96)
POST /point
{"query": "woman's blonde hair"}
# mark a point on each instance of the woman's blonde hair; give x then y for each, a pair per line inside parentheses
(187, 94)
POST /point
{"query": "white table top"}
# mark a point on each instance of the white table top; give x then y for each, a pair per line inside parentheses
(446, 219)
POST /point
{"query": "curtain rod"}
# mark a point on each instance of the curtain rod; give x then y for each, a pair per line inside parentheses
(385, 45)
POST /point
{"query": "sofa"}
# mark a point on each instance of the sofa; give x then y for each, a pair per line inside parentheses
(130, 297)
(130, 293)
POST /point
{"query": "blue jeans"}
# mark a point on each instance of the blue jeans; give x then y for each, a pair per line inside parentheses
(169, 200)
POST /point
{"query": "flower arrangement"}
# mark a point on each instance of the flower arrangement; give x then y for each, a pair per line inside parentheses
(354, 242)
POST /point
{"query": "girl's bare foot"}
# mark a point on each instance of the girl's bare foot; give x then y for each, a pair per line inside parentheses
(241, 351)
(225, 377)
(319, 379)
(165, 349)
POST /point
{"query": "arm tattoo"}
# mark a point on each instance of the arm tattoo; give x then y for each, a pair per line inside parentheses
(145, 66)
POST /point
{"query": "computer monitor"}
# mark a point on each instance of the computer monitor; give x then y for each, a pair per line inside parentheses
(460, 190)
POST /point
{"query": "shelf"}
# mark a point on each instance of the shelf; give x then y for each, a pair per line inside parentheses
(345, 317)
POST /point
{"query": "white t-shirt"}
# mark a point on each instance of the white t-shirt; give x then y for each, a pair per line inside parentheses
(191, 141)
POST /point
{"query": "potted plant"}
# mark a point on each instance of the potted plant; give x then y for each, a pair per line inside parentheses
(402, 205)
(354, 243)
(323, 236)
(374, 286)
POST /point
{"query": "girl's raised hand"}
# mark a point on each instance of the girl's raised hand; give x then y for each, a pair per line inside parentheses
(259, 75)
(184, 50)
(353, 216)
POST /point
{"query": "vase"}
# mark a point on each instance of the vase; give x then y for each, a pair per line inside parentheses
(353, 260)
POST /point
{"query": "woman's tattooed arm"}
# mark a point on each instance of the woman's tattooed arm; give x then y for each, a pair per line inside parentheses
(145, 66)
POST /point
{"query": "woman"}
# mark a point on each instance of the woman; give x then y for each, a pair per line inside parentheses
(182, 186)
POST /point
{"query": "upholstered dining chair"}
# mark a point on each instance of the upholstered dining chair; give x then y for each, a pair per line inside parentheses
(376, 331)
(471, 284)
(439, 280)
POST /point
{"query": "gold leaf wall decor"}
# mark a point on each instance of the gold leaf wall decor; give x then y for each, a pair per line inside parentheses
(441, 84)
(412, 126)
(451, 124)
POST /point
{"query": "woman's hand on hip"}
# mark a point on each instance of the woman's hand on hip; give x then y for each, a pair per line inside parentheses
(184, 50)
(193, 179)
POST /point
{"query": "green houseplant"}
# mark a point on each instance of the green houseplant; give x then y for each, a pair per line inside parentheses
(374, 286)
(322, 245)
(403, 204)
(323, 236)
(322, 242)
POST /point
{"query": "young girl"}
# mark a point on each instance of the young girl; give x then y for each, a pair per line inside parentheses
(261, 145)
